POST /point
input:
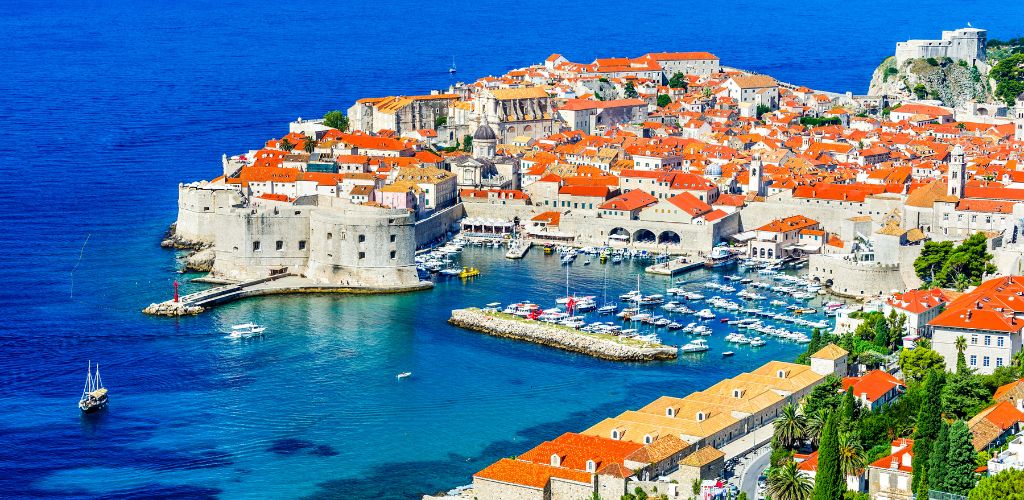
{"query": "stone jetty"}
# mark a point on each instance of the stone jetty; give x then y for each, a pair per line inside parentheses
(601, 346)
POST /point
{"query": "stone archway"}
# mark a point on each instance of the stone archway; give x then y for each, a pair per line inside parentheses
(620, 234)
(669, 238)
(644, 236)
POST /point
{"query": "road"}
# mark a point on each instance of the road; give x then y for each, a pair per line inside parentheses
(750, 473)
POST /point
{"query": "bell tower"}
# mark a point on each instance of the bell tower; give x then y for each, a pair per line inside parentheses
(955, 177)
(755, 184)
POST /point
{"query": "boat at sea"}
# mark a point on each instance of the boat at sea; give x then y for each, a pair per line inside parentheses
(720, 256)
(94, 395)
(697, 345)
(726, 354)
(402, 375)
(246, 330)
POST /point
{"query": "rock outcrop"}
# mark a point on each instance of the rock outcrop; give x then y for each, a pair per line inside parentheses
(200, 261)
(954, 83)
(172, 309)
(173, 240)
(600, 346)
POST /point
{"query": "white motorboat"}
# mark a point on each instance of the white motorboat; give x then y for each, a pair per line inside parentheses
(697, 345)
(246, 330)
(402, 375)
(757, 342)
(705, 314)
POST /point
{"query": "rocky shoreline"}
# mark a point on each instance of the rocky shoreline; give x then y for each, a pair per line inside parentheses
(600, 346)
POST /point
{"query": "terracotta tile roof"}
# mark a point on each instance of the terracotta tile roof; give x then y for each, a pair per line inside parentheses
(662, 448)
(830, 352)
(590, 191)
(574, 450)
(1010, 389)
(794, 223)
(873, 385)
(918, 301)
(990, 306)
(925, 196)
(899, 457)
(629, 201)
(754, 81)
(529, 474)
(690, 204)
(702, 457)
(551, 218)
(583, 104)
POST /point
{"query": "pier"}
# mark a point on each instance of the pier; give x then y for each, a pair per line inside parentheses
(674, 266)
(517, 249)
(195, 303)
(601, 346)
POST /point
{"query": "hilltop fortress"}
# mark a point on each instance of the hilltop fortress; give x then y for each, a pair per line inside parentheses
(964, 44)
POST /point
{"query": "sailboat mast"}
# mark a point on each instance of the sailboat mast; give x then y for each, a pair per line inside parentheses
(88, 379)
(97, 380)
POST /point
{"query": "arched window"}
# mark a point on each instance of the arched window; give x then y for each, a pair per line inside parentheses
(648, 439)
(701, 416)
(781, 374)
(615, 434)
(591, 466)
(556, 460)
(670, 412)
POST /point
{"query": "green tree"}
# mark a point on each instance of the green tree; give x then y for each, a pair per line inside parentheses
(789, 427)
(440, 121)
(285, 145)
(829, 481)
(929, 421)
(467, 143)
(933, 255)
(664, 100)
(788, 483)
(896, 323)
(826, 395)
(920, 91)
(309, 144)
(959, 461)
(967, 264)
(852, 458)
(762, 109)
(336, 119)
(937, 459)
(882, 333)
(916, 362)
(678, 81)
(963, 394)
(1009, 77)
(961, 361)
(814, 423)
(1006, 485)
(848, 410)
(629, 92)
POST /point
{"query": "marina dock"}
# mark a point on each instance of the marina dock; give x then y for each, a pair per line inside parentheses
(195, 303)
(601, 346)
(518, 248)
(674, 266)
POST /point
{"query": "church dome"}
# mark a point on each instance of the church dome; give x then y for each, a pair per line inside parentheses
(484, 133)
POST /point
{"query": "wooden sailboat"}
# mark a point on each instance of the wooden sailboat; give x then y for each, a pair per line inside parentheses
(94, 395)
(451, 70)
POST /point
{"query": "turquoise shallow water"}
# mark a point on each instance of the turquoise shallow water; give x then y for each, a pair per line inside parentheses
(106, 106)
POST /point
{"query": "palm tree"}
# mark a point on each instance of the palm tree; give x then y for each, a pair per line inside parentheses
(286, 145)
(812, 426)
(790, 426)
(852, 458)
(788, 483)
(310, 145)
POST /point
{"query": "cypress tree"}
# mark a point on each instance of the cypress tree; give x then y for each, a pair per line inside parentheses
(848, 409)
(960, 460)
(829, 482)
(929, 421)
(937, 460)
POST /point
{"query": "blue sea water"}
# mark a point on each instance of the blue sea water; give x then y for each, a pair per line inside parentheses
(108, 105)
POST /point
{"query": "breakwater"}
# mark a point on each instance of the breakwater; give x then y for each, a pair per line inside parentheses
(601, 346)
